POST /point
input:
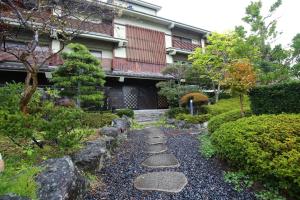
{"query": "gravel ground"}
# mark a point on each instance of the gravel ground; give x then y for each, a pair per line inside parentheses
(205, 179)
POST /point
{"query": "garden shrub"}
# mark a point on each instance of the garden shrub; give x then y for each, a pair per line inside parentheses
(172, 112)
(266, 146)
(127, 112)
(206, 148)
(216, 121)
(226, 105)
(193, 119)
(196, 96)
(276, 99)
(98, 120)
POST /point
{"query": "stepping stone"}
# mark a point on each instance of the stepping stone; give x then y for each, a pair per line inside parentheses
(153, 135)
(173, 182)
(156, 148)
(159, 140)
(161, 161)
(154, 130)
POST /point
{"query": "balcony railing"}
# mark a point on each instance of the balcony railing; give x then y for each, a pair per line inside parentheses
(188, 46)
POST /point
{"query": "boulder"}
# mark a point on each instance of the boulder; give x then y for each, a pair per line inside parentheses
(91, 157)
(13, 197)
(110, 131)
(123, 124)
(171, 121)
(60, 179)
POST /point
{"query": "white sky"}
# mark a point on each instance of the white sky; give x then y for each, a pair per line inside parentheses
(223, 15)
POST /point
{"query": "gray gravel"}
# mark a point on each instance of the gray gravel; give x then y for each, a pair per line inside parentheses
(205, 179)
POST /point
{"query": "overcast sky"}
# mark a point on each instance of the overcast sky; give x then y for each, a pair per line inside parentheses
(223, 15)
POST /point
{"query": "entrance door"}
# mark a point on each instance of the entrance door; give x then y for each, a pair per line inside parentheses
(147, 98)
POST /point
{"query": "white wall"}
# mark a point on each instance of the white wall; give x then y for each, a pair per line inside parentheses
(135, 7)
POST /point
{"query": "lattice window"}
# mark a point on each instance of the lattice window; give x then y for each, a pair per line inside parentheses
(130, 97)
(162, 102)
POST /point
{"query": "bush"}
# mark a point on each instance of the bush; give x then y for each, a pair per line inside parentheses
(226, 105)
(267, 146)
(216, 121)
(276, 99)
(197, 97)
(98, 120)
(127, 112)
(193, 119)
(172, 112)
(206, 148)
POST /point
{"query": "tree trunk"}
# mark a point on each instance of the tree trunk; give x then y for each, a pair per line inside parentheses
(242, 105)
(31, 83)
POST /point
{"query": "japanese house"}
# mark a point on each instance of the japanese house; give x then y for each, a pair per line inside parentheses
(134, 47)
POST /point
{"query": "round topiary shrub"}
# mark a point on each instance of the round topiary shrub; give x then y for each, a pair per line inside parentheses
(197, 97)
(127, 112)
(216, 121)
(267, 146)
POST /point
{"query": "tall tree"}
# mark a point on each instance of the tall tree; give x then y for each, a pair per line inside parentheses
(40, 19)
(274, 62)
(296, 56)
(212, 63)
(81, 77)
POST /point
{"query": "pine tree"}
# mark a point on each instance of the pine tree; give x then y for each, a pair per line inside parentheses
(81, 77)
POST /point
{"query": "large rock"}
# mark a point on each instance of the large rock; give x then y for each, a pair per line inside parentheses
(110, 131)
(13, 197)
(92, 156)
(61, 180)
(123, 124)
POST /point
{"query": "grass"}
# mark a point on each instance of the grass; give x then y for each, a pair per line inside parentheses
(206, 147)
(225, 105)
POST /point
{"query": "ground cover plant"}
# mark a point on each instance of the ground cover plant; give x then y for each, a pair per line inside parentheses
(265, 146)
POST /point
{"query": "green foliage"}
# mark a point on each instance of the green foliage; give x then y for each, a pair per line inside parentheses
(266, 146)
(173, 91)
(10, 96)
(272, 194)
(81, 76)
(275, 99)
(19, 181)
(127, 112)
(173, 112)
(273, 61)
(226, 105)
(206, 148)
(61, 126)
(193, 119)
(239, 179)
(216, 121)
(98, 120)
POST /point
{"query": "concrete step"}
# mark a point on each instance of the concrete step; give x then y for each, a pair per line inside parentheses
(148, 115)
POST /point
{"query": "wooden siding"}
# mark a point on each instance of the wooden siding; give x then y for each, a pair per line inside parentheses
(122, 64)
(145, 46)
(184, 45)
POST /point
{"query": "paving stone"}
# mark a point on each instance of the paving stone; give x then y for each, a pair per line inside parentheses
(172, 182)
(154, 130)
(156, 148)
(159, 140)
(161, 161)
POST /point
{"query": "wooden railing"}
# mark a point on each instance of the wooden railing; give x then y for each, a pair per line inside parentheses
(121, 64)
(188, 46)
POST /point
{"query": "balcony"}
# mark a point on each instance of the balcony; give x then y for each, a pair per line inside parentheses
(188, 46)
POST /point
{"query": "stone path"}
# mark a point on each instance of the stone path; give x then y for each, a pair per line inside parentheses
(159, 181)
(124, 177)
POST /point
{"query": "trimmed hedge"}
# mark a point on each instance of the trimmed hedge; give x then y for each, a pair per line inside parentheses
(226, 105)
(193, 119)
(216, 121)
(267, 146)
(276, 99)
(127, 112)
(98, 120)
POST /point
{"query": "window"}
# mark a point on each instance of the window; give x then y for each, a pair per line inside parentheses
(97, 53)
